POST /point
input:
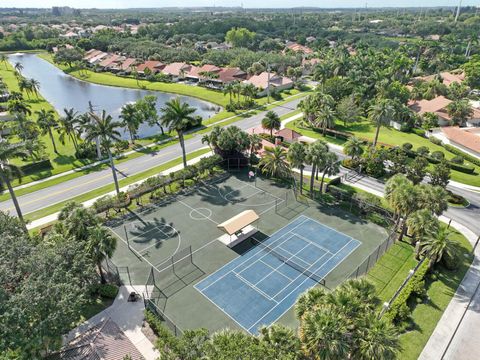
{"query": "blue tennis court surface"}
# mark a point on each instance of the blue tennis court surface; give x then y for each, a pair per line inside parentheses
(261, 285)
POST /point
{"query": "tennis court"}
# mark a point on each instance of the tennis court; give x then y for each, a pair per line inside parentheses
(258, 287)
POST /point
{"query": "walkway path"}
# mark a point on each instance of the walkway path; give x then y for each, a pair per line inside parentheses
(63, 191)
(129, 318)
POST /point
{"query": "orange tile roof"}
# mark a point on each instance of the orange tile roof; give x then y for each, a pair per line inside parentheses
(299, 48)
(261, 80)
(463, 138)
(174, 69)
(437, 105)
(448, 77)
(154, 66)
(288, 134)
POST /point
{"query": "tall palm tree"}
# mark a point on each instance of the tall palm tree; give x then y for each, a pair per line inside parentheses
(421, 224)
(271, 122)
(326, 117)
(101, 244)
(178, 116)
(18, 67)
(438, 245)
(315, 156)
(131, 120)
(4, 60)
(460, 111)
(379, 339)
(353, 148)
(228, 89)
(274, 162)
(68, 126)
(296, 156)
(46, 122)
(331, 166)
(104, 128)
(433, 198)
(19, 107)
(9, 151)
(380, 114)
(255, 143)
(34, 86)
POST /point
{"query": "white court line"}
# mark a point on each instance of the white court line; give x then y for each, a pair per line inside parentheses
(265, 295)
(275, 270)
(143, 233)
(192, 208)
(167, 238)
(244, 261)
(314, 244)
(283, 262)
(301, 283)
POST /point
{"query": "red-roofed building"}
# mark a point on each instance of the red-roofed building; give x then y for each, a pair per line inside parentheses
(109, 60)
(201, 73)
(288, 135)
(177, 70)
(276, 82)
(463, 139)
(124, 66)
(295, 47)
(447, 77)
(152, 65)
(228, 75)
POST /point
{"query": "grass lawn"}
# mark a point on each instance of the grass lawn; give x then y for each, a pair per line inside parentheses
(111, 187)
(425, 316)
(391, 136)
(390, 272)
(93, 306)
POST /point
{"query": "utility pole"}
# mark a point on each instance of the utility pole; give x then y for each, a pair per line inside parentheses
(97, 139)
(458, 10)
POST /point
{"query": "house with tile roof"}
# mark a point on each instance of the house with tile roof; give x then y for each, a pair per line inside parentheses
(446, 77)
(467, 140)
(231, 74)
(154, 67)
(177, 70)
(198, 73)
(104, 341)
(295, 47)
(438, 106)
(271, 81)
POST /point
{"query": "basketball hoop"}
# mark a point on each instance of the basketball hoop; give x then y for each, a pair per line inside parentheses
(251, 175)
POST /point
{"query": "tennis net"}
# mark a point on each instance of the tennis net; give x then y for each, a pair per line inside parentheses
(289, 262)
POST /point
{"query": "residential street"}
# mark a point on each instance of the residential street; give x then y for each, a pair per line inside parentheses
(57, 193)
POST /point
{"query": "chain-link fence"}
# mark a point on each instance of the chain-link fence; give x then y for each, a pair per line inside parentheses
(372, 259)
(111, 271)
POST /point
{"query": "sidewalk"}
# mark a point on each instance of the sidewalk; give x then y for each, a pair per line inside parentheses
(52, 217)
(129, 318)
(175, 137)
(446, 342)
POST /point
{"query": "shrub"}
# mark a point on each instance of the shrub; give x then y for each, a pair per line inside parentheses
(457, 159)
(466, 156)
(397, 312)
(423, 151)
(121, 145)
(438, 155)
(108, 291)
(36, 166)
(165, 337)
(462, 168)
(451, 262)
(419, 132)
(435, 140)
(350, 163)
(407, 146)
(86, 151)
(103, 204)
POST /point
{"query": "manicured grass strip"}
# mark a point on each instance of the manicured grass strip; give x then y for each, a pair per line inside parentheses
(440, 292)
(111, 187)
(366, 130)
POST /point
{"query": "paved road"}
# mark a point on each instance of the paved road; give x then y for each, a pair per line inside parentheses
(57, 193)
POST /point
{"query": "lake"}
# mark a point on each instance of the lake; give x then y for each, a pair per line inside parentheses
(65, 91)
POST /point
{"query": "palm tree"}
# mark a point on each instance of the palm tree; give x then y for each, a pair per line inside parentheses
(381, 113)
(433, 198)
(104, 128)
(101, 244)
(271, 121)
(315, 156)
(7, 170)
(255, 143)
(421, 224)
(274, 162)
(331, 166)
(296, 156)
(4, 60)
(131, 120)
(438, 245)
(353, 148)
(18, 67)
(326, 116)
(18, 107)
(460, 111)
(228, 89)
(46, 122)
(34, 86)
(379, 339)
(237, 88)
(178, 116)
(68, 126)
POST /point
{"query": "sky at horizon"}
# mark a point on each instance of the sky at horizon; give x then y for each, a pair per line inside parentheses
(109, 4)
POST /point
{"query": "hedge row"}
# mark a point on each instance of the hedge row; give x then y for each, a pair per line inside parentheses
(399, 310)
(157, 327)
(470, 158)
(122, 200)
(36, 166)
